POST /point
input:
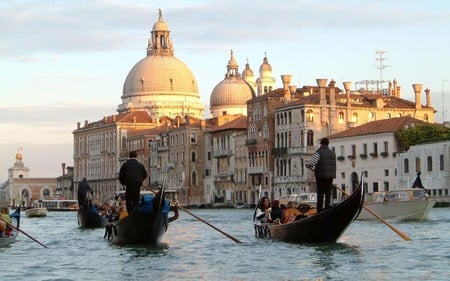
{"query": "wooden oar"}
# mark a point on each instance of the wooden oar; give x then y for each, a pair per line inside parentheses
(207, 223)
(401, 234)
(29, 236)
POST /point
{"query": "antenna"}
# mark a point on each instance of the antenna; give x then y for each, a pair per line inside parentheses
(380, 58)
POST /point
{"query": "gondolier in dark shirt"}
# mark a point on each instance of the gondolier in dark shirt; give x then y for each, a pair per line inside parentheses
(324, 164)
(83, 189)
(131, 175)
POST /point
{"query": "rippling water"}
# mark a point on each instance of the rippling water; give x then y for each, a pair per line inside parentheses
(191, 250)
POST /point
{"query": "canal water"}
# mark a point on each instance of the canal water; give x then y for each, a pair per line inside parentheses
(192, 250)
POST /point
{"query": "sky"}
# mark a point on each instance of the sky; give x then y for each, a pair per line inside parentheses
(64, 62)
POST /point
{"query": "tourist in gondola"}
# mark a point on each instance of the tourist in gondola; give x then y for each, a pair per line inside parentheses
(83, 189)
(277, 213)
(131, 175)
(262, 212)
(324, 165)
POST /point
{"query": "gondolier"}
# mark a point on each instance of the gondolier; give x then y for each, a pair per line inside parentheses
(324, 164)
(131, 175)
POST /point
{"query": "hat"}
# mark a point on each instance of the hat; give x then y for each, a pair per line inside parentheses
(324, 141)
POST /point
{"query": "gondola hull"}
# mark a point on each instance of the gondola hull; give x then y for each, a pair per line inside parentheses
(90, 218)
(140, 228)
(326, 226)
(15, 221)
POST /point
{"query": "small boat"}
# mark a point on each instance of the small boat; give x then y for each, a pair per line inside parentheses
(309, 198)
(325, 226)
(402, 205)
(147, 223)
(90, 217)
(6, 238)
(36, 210)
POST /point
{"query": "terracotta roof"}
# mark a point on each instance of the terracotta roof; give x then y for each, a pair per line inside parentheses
(236, 124)
(379, 127)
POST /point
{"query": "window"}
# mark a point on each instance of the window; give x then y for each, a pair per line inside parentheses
(193, 156)
(386, 146)
(209, 155)
(193, 137)
(310, 116)
(429, 164)
(364, 148)
(441, 162)
(375, 148)
(341, 117)
(355, 117)
(207, 172)
(194, 178)
(406, 166)
(386, 173)
(417, 164)
(310, 138)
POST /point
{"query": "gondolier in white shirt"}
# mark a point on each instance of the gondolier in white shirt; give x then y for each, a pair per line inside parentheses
(323, 163)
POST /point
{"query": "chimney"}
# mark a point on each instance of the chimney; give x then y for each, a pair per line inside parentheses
(418, 91)
(332, 92)
(86, 123)
(322, 83)
(78, 125)
(347, 86)
(286, 83)
(292, 90)
(427, 95)
(63, 166)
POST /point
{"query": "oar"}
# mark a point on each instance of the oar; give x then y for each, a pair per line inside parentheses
(207, 223)
(28, 235)
(401, 234)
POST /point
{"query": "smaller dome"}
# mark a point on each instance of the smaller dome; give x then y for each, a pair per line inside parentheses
(232, 63)
(19, 156)
(248, 72)
(231, 92)
(265, 66)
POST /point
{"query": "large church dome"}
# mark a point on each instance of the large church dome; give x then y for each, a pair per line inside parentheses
(161, 83)
(230, 96)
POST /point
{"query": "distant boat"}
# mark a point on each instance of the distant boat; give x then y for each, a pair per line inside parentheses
(36, 210)
(6, 240)
(89, 216)
(60, 204)
(301, 198)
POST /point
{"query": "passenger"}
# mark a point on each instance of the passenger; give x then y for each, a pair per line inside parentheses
(290, 213)
(262, 212)
(5, 220)
(277, 212)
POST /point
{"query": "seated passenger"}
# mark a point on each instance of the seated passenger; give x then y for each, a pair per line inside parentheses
(262, 212)
(290, 213)
(277, 212)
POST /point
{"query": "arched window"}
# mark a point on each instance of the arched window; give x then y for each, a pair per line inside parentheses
(310, 138)
(417, 164)
(355, 117)
(429, 164)
(310, 116)
(425, 117)
(388, 116)
(341, 117)
(406, 166)
(194, 178)
(194, 156)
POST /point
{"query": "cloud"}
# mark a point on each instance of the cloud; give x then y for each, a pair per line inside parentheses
(34, 30)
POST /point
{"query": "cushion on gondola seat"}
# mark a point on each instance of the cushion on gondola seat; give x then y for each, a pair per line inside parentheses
(146, 205)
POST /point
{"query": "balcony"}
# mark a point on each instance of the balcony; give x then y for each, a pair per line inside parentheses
(222, 153)
(251, 141)
(280, 151)
(255, 170)
(384, 154)
(363, 156)
(163, 148)
(351, 157)
(374, 154)
(341, 158)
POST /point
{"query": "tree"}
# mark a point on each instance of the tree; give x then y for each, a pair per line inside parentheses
(421, 134)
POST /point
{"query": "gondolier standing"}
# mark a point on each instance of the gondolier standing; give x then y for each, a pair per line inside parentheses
(131, 175)
(324, 164)
(83, 189)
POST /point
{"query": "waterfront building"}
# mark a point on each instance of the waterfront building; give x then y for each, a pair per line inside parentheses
(314, 112)
(20, 189)
(432, 160)
(371, 147)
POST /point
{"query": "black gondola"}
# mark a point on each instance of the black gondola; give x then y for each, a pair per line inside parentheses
(89, 216)
(147, 223)
(325, 226)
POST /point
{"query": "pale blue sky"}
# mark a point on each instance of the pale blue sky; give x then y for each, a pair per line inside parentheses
(64, 62)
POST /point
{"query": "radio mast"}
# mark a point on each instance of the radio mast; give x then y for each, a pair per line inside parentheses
(380, 58)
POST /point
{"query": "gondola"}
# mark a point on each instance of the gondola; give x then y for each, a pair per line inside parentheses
(325, 226)
(89, 216)
(147, 223)
(10, 236)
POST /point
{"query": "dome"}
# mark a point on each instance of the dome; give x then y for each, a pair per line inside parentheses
(156, 74)
(248, 72)
(160, 25)
(231, 92)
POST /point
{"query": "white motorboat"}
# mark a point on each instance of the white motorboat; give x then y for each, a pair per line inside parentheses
(404, 204)
(36, 210)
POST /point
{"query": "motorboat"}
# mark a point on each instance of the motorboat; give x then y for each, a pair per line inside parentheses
(401, 204)
(36, 210)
